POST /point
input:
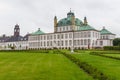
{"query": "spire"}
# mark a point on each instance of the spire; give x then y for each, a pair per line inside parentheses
(85, 21)
(38, 29)
(103, 27)
(55, 24)
(70, 9)
(69, 14)
(55, 21)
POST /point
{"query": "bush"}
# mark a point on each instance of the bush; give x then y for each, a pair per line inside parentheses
(101, 54)
(111, 47)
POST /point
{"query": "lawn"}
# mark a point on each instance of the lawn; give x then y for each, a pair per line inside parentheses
(39, 66)
(110, 67)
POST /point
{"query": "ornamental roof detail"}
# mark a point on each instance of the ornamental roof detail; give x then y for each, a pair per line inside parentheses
(38, 32)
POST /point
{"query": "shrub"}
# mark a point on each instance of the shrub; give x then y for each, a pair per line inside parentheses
(111, 47)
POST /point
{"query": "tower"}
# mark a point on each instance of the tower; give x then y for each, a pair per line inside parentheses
(73, 22)
(85, 21)
(16, 30)
(55, 24)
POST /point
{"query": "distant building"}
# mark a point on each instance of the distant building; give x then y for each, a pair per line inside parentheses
(17, 41)
(69, 33)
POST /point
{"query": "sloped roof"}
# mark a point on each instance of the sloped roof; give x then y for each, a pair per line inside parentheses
(38, 32)
(105, 31)
(15, 38)
(86, 27)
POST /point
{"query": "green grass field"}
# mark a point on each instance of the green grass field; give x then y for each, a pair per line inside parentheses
(110, 67)
(41, 66)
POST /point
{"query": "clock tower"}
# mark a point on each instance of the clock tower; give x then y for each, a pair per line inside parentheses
(16, 30)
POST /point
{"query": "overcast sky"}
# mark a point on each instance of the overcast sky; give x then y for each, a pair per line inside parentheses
(34, 14)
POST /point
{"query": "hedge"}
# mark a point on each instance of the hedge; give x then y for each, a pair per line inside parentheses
(111, 47)
(101, 54)
(94, 72)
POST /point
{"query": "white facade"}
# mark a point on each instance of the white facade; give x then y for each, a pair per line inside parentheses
(19, 45)
(65, 40)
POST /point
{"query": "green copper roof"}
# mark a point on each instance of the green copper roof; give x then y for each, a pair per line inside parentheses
(105, 31)
(86, 27)
(38, 32)
(68, 21)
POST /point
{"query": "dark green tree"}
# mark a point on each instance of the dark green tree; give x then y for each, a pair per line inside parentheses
(116, 42)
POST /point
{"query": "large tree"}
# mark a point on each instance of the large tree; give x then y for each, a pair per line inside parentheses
(116, 42)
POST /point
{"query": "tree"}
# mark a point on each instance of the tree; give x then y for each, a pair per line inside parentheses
(116, 42)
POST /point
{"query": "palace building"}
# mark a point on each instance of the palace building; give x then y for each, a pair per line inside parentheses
(69, 33)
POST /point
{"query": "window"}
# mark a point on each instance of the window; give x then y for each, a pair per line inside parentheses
(47, 43)
(96, 43)
(88, 41)
(51, 37)
(44, 44)
(70, 35)
(66, 28)
(81, 34)
(75, 42)
(70, 42)
(88, 34)
(84, 34)
(44, 37)
(93, 34)
(66, 43)
(41, 37)
(58, 43)
(50, 43)
(54, 36)
(66, 36)
(81, 42)
(58, 36)
(62, 43)
(101, 42)
(47, 37)
(85, 42)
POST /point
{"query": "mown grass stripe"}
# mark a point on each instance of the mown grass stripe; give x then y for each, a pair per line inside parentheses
(94, 72)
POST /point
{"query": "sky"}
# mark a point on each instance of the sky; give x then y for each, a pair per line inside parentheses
(34, 14)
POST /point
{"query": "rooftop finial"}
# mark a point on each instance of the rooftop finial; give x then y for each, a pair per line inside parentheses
(70, 9)
(103, 27)
(85, 20)
(39, 29)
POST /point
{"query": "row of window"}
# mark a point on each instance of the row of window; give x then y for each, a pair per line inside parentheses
(104, 37)
(63, 36)
(62, 43)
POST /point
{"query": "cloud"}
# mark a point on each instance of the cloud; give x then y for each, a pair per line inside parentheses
(32, 14)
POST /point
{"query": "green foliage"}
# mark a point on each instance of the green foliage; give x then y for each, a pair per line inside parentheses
(26, 51)
(103, 54)
(116, 42)
(111, 47)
